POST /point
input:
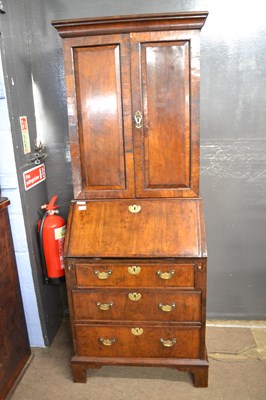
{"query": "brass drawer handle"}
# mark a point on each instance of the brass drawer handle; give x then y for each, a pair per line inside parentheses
(134, 209)
(134, 296)
(107, 342)
(103, 274)
(138, 119)
(104, 306)
(165, 275)
(137, 331)
(134, 270)
(166, 307)
(168, 343)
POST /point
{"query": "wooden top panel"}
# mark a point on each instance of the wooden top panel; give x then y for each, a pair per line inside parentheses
(130, 23)
(163, 228)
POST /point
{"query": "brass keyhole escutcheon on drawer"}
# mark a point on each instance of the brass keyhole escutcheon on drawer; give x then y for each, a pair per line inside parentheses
(134, 270)
(107, 342)
(137, 331)
(138, 119)
(134, 208)
(104, 306)
(103, 274)
(166, 275)
(168, 343)
(134, 296)
(166, 307)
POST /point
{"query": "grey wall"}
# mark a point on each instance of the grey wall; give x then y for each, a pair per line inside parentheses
(233, 104)
(16, 59)
(233, 142)
(10, 189)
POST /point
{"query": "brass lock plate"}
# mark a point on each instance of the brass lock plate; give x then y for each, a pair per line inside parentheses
(134, 209)
(134, 296)
(137, 331)
(134, 270)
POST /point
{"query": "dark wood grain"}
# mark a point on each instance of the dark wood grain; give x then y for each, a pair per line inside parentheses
(130, 23)
(181, 274)
(185, 305)
(117, 67)
(166, 149)
(99, 116)
(197, 367)
(108, 229)
(99, 102)
(108, 79)
(14, 348)
(146, 345)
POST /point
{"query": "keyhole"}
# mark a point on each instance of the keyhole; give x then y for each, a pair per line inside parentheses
(134, 269)
(137, 331)
(134, 208)
(134, 296)
(138, 119)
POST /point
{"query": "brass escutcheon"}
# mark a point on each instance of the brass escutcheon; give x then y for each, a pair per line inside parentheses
(134, 296)
(137, 331)
(168, 343)
(134, 209)
(138, 119)
(134, 270)
(103, 274)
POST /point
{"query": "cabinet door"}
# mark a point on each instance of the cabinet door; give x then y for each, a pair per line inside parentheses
(99, 110)
(165, 74)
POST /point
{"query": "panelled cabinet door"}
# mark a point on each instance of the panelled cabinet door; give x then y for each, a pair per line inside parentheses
(99, 109)
(165, 73)
(143, 84)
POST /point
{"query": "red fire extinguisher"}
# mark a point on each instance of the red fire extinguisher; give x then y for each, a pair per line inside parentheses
(52, 229)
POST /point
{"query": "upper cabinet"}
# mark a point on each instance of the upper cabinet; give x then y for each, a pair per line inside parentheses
(133, 97)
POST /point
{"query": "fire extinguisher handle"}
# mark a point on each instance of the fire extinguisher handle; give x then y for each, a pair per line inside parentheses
(51, 206)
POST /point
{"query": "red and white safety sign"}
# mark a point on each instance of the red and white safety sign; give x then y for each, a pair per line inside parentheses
(34, 176)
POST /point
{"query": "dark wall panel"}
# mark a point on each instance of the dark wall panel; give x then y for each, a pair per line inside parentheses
(16, 59)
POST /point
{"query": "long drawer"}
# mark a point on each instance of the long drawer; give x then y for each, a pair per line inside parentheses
(136, 274)
(137, 341)
(138, 304)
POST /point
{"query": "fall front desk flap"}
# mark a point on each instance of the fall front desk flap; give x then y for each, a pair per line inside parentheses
(137, 228)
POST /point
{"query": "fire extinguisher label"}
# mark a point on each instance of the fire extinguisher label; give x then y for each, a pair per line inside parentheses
(59, 233)
(61, 252)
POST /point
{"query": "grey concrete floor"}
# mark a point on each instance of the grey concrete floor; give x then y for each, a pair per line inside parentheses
(237, 356)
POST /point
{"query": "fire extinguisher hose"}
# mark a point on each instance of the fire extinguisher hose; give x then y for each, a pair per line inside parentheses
(44, 268)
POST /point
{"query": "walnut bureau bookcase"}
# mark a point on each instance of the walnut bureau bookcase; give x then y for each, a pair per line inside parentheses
(135, 250)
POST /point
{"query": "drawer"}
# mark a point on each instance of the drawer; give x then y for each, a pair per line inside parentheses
(137, 341)
(136, 274)
(137, 304)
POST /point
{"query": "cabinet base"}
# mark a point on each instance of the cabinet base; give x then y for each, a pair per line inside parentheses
(198, 368)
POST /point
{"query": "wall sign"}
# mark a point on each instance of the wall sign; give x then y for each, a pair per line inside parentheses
(34, 176)
(25, 134)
